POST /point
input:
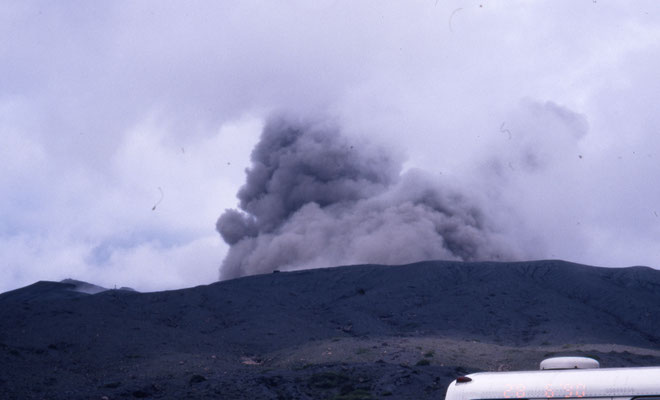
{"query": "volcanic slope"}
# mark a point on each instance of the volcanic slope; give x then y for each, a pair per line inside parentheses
(355, 332)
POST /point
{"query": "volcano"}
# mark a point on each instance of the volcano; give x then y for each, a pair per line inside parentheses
(352, 332)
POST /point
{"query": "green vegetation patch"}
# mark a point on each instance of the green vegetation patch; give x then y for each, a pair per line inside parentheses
(328, 380)
(423, 362)
(357, 394)
(362, 350)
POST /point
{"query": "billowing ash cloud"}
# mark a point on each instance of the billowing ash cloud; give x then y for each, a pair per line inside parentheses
(315, 199)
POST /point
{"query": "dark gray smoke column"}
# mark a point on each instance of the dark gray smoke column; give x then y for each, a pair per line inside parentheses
(312, 199)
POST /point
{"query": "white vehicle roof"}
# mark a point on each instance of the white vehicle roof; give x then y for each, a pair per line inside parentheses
(558, 384)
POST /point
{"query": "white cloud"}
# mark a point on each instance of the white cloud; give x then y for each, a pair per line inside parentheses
(146, 266)
(151, 266)
(99, 224)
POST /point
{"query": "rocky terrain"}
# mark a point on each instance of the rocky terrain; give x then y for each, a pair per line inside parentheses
(357, 332)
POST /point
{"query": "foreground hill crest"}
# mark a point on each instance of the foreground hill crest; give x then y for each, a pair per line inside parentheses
(277, 334)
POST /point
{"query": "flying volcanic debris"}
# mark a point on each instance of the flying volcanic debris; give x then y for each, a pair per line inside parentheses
(313, 199)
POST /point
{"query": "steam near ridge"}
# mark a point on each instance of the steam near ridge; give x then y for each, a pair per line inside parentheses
(314, 199)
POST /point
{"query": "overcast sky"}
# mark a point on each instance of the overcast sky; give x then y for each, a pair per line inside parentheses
(548, 110)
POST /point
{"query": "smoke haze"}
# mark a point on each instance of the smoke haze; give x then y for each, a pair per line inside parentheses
(541, 116)
(313, 198)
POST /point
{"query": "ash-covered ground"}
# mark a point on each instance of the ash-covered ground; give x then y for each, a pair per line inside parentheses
(357, 332)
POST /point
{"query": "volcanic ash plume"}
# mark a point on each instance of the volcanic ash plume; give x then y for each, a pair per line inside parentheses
(313, 199)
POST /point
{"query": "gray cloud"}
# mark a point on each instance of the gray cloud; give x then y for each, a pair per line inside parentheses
(102, 104)
(538, 136)
(314, 199)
